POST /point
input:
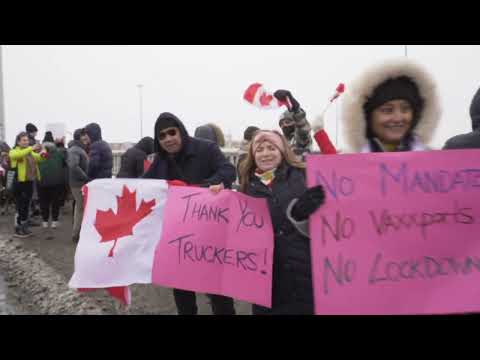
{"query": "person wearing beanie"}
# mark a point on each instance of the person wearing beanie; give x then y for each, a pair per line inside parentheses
(100, 155)
(195, 162)
(294, 124)
(51, 186)
(133, 160)
(48, 137)
(392, 106)
(32, 133)
(77, 161)
(273, 172)
(470, 140)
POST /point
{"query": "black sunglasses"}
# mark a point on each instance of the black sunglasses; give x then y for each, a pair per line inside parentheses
(163, 135)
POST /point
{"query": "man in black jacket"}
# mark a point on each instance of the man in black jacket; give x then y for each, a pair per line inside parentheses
(133, 160)
(196, 162)
(472, 139)
(101, 159)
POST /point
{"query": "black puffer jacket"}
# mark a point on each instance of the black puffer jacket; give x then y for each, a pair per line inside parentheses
(292, 291)
(101, 159)
(200, 162)
(472, 139)
(132, 163)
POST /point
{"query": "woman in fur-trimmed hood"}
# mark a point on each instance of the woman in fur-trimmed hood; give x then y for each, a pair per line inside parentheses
(393, 106)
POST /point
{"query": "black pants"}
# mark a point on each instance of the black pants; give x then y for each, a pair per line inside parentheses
(186, 302)
(50, 197)
(23, 197)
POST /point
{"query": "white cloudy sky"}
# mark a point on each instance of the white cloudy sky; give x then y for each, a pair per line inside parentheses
(81, 84)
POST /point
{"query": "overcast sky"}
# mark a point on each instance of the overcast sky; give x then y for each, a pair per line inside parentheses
(81, 84)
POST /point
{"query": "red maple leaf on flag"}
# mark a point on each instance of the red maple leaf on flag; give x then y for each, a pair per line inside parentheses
(265, 99)
(113, 226)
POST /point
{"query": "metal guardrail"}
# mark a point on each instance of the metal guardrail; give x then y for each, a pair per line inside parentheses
(230, 153)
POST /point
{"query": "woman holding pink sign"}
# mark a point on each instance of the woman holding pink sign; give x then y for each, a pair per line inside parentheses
(272, 171)
(392, 106)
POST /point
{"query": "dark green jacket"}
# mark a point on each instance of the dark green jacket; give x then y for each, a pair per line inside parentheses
(52, 170)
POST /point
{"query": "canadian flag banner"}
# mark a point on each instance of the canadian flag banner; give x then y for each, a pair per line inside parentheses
(147, 232)
(122, 224)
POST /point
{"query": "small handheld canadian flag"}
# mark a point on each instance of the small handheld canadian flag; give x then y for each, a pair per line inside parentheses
(257, 95)
(338, 91)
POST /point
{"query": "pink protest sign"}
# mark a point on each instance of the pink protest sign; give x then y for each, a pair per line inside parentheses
(217, 244)
(399, 233)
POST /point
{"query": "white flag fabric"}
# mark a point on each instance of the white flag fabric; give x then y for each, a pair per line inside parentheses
(121, 228)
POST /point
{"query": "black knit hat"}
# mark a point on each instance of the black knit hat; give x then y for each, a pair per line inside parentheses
(48, 137)
(395, 89)
(31, 128)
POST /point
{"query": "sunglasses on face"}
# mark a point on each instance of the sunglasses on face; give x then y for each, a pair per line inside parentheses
(286, 123)
(163, 134)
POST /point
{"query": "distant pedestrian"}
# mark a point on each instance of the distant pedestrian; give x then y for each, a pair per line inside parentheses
(133, 160)
(210, 132)
(100, 156)
(78, 176)
(51, 187)
(24, 159)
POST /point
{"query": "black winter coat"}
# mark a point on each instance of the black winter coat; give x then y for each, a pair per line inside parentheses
(200, 162)
(292, 289)
(470, 140)
(132, 163)
(100, 156)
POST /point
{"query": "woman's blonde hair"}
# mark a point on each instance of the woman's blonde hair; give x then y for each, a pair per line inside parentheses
(248, 166)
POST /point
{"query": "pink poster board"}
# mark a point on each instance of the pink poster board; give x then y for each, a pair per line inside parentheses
(399, 233)
(217, 244)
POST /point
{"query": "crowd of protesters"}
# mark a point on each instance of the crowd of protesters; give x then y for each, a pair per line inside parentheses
(391, 107)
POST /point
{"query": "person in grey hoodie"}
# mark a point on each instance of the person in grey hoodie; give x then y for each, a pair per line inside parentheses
(470, 140)
(77, 173)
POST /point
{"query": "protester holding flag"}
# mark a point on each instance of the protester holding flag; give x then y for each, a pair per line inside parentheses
(24, 159)
(77, 160)
(294, 123)
(272, 171)
(195, 162)
(470, 140)
(133, 160)
(392, 106)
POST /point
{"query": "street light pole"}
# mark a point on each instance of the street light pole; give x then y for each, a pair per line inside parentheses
(140, 87)
(2, 113)
(406, 51)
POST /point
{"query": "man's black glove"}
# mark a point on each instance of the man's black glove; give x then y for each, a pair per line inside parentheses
(308, 203)
(283, 95)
